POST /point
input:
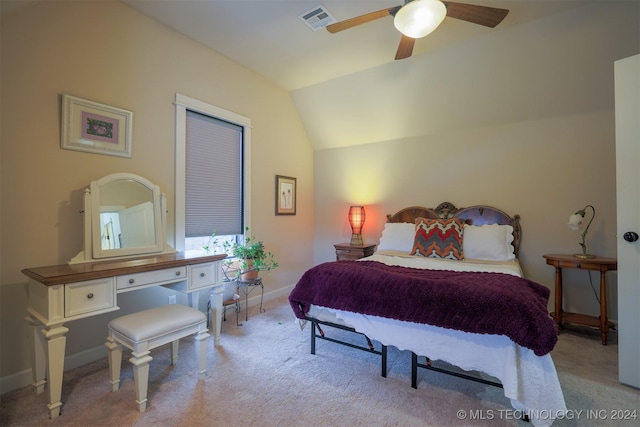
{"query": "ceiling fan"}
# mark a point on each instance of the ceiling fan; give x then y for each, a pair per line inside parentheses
(417, 18)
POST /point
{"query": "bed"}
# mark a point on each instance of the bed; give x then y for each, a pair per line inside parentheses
(445, 283)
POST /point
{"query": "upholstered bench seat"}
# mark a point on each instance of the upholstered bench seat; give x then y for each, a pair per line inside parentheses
(143, 331)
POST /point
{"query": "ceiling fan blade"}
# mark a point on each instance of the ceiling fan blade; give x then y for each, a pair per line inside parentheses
(362, 19)
(405, 48)
(482, 15)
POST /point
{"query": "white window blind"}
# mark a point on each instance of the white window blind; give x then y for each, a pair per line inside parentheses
(213, 176)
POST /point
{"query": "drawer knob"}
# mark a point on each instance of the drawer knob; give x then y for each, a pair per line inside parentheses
(131, 281)
(177, 273)
(90, 296)
(201, 274)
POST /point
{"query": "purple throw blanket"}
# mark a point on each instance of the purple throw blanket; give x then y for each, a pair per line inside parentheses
(486, 303)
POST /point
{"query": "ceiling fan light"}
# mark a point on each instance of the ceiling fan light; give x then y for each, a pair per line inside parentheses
(418, 18)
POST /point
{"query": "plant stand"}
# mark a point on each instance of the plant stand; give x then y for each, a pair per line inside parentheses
(248, 285)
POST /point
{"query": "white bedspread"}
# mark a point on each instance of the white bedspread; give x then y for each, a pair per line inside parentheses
(529, 381)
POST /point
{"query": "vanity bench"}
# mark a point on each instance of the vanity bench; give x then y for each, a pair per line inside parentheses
(145, 330)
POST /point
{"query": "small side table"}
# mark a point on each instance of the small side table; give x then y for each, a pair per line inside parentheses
(246, 286)
(601, 264)
(349, 251)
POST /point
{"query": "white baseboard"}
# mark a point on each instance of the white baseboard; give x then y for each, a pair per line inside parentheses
(255, 298)
(23, 378)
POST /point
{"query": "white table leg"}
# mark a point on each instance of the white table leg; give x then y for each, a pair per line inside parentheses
(216, 313)
(194, 300)
(56, 341)
(37, 353)
(201, 349)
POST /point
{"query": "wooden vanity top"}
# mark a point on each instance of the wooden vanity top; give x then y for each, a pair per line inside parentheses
(69, 273)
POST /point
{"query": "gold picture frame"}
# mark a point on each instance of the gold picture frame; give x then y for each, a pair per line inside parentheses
(95, 128)
(285, 195)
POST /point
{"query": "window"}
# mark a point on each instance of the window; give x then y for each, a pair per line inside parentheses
(212, 174)
(213, 180)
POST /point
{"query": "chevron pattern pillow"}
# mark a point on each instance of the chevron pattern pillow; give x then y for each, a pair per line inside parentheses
(438, 238)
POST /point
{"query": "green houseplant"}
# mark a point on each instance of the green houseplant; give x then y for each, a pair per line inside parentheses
(248, 258)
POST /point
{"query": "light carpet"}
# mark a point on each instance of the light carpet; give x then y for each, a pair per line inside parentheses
(262, 374)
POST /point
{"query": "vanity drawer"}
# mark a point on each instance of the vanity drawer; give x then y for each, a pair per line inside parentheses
(203, 275)
(88, 296)
(169, 275)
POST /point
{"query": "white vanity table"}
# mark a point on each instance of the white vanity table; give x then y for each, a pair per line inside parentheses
(90, 283)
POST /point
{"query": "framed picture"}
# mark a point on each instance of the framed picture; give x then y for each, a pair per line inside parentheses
(95, 128)
(285, 195)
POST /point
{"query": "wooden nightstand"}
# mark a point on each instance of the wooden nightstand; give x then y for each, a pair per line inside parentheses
(348, 251)
(601, 264)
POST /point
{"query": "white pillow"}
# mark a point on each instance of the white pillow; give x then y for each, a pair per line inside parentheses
(397, 236)
(490, 242)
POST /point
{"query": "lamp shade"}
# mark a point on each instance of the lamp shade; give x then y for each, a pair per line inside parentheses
(356, 221)
(418, 18)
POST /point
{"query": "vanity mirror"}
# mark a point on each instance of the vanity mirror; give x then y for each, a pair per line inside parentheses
(124, 216)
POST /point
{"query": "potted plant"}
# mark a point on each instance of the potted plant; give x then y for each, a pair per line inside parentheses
(248, 258)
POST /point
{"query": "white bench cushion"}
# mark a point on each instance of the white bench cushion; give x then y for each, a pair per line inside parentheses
(156, 322)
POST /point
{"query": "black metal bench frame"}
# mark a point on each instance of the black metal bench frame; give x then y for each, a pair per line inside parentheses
(317, 332)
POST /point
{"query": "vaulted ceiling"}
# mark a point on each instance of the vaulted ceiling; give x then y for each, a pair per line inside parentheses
(548, 58)
(268, 37)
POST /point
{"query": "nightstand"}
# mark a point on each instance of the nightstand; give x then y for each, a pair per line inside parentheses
(349, 251)
(601, 264)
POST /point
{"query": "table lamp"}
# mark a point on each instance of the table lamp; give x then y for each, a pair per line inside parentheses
(575, 221)
(356, 220)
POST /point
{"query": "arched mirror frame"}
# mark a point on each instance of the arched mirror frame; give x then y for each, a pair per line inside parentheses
(93, 250)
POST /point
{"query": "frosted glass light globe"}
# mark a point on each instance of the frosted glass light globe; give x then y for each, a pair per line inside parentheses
(420, 17)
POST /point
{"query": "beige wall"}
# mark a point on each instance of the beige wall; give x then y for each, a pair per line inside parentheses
(543, 170)
(107, 52)
(522, 120)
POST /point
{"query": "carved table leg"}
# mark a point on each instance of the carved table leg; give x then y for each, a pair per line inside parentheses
(56, 341)
(37, 354)
(216, 313)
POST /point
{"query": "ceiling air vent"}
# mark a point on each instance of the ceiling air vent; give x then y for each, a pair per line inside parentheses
(317, 17)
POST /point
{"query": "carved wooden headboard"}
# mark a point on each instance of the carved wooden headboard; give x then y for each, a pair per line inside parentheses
(474, 215)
